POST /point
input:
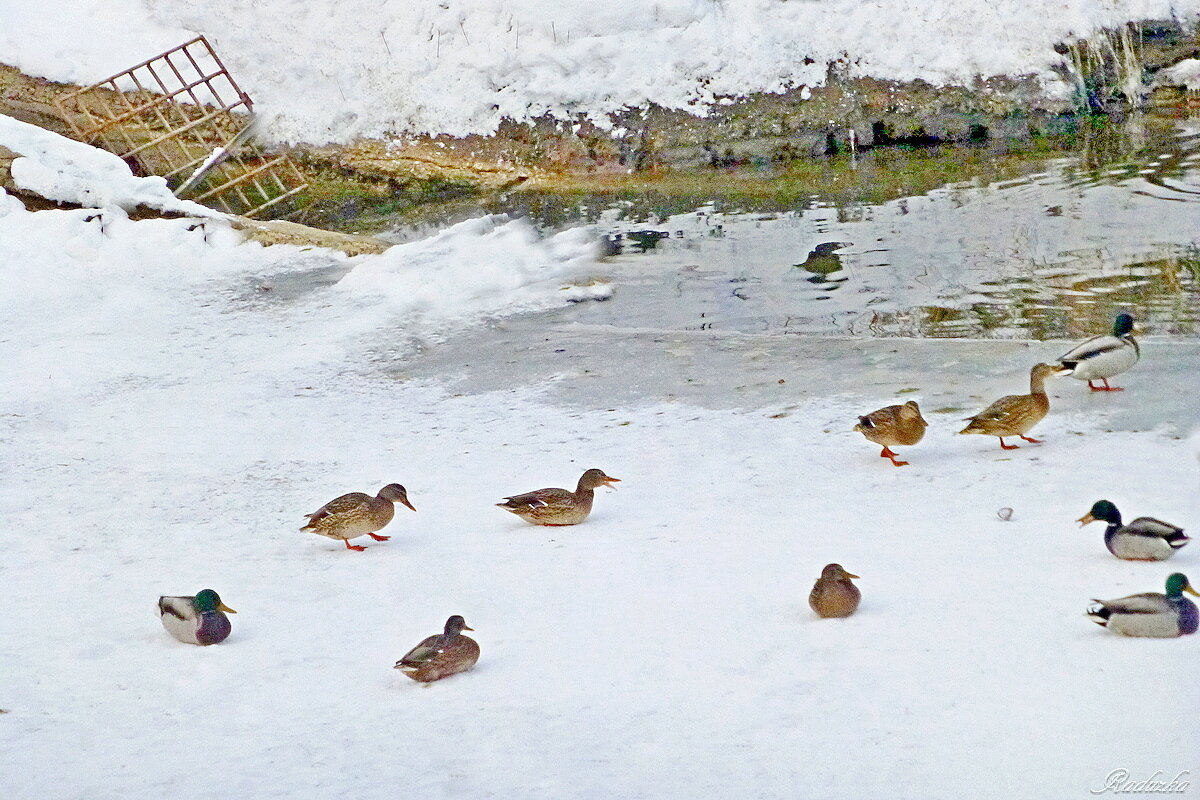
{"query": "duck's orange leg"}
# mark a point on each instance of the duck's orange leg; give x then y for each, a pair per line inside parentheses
(887, 453)
(1105, 387)
(378, 538)
(1028, 439)
(357, 547)
(1008, 446)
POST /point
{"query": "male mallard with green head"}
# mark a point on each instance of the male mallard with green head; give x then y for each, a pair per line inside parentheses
(196, 620)
(357, 514)
(441, 656)
(559, 506)
(1102, 357)
(1143, 539)
(834, 594)
(1161, 616)
(1016, 414)
(892, 426)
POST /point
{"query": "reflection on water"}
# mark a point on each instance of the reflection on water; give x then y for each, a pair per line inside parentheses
(1025, 247)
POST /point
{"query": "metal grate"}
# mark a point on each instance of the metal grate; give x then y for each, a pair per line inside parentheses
(182, 116)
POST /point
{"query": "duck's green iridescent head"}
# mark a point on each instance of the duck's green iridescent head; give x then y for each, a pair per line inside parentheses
(208, 600)
(1103, 511)
(1123, 325)
(1177, 584)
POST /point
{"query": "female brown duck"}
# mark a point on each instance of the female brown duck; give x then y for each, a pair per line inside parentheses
(438, 657)
(558, 506)
(1016, 414)
(891, 426)
(357, 514)
(834, 594)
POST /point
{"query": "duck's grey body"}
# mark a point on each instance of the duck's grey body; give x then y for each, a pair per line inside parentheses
(1148, 614)
(1102, 357)
(1144, 539)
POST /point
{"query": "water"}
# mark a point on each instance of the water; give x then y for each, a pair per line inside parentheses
(1020, 246)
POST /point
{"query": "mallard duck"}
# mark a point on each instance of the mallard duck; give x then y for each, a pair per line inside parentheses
(357, 514)
(1144, 539)
(891, 426)
(834, 595)
(1016, 414)
(1102, 357)
(196, 620)
(440, 656)
(558, 506)
(1162, 616)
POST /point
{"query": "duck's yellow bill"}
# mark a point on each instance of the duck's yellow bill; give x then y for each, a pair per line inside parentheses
(223, 607)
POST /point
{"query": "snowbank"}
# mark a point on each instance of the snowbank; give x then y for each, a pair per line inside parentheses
(68, 171)
(335, 71)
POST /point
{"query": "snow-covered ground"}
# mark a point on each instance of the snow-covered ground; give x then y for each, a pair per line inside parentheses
(177, 401)
(332, 71)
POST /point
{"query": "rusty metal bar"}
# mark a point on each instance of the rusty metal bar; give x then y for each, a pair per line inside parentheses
(244, 177)
(290, 193)
(135, 110)
(211, 115)
(179, 136)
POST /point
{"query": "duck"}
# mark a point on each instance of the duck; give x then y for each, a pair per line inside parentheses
(1016, 414)
(199, 619)
(891, 426)
(1144, 539)
(357, 514)
(441, 655)
(559, 506)
(834, 595)
(1161, 616)
(1102, 357)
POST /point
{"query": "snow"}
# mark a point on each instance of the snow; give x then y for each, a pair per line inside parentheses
(1186, 73)
(363, 68)
(177, 401)
(72, 172)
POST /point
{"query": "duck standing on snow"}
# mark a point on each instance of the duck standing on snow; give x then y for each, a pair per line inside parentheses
(1016, 414)
(834, 595)
(892, 426)
(1162, 616)
(1144, 539)
(441, 656)
(559, 506)
(1102, 357)
(357, 514)
(196, 620)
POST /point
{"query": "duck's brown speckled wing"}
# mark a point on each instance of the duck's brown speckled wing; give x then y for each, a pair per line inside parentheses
(424, 651)
(340, 505)
(542, 500)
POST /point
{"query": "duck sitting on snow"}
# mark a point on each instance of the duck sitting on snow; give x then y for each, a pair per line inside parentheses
(892, 426)
(196, 620)
(1162, 616)
(1143, 539)
(1102, 357)
(834, 595)
(357, 514)
(441, 656)
(559, 506)
(1016, 414)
